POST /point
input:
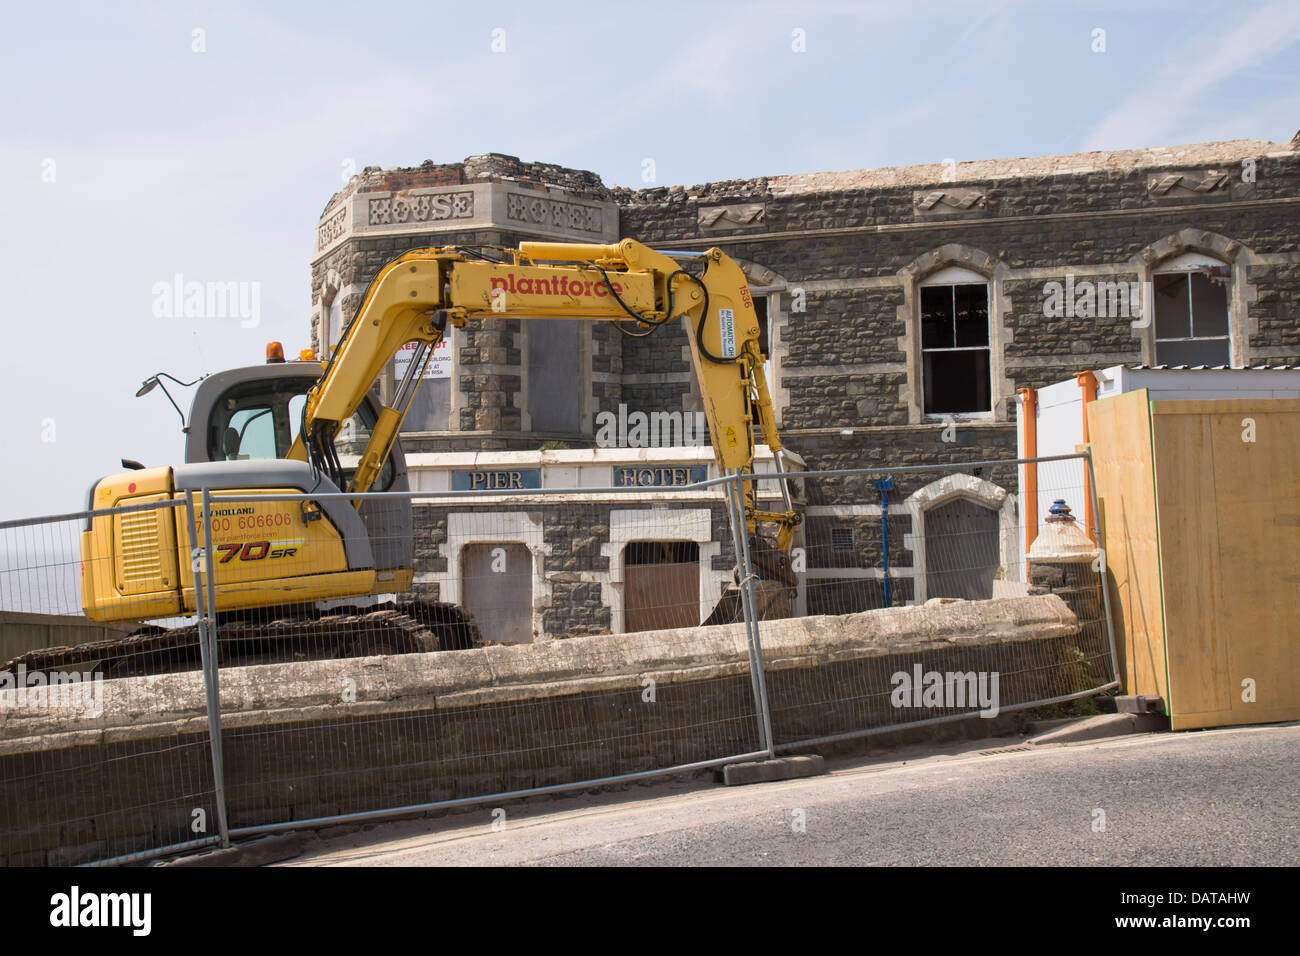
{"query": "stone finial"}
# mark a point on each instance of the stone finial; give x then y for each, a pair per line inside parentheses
(1061, 541)
(1059, 511)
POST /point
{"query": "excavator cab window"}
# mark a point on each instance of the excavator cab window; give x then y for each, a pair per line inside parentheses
(260, 420)
(250, 421)
(250, 433)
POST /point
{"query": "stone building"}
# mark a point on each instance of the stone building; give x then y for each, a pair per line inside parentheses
(904, 309)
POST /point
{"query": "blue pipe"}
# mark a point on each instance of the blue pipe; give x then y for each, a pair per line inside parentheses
(885, 486)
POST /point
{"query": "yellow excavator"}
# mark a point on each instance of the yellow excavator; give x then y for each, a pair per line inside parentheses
(272, 554)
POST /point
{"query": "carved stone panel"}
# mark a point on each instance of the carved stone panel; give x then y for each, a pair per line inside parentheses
(559, 214)
(543, 213)
(424, 207)
(1199, 184)
(731, 218)
(332, 228)
(949, 201)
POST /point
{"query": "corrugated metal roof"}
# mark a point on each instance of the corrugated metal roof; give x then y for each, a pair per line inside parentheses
(1226, 368)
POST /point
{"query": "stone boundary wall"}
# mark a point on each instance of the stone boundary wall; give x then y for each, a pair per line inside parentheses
(430, 727)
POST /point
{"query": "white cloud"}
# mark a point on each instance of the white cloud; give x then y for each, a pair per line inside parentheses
(1161, 110)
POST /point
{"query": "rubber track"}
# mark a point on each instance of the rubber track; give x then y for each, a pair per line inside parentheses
(409, 628)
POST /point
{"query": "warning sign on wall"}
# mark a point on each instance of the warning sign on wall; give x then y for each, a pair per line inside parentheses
(439, 365)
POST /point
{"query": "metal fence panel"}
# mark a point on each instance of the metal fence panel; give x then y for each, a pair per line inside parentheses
(566, 656)
(74, 791)
(522, 641)
(917, 535)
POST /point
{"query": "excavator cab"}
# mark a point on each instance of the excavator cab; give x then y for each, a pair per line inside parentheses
(256, 412)
(242, 424)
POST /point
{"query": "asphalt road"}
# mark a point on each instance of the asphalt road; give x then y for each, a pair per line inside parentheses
(1219, 797)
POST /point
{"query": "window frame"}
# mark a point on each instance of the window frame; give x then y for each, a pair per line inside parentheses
(952, 276)
(1186, 265)
(764, 324)
(282, 397)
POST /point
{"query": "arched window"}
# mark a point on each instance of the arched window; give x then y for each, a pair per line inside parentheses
(1196, 296)
(963, 537)
(1192, 311)
(956, 372)
(953, 313)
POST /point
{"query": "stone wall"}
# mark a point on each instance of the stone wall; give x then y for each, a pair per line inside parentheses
(428, 727)
(854, 249)
(573, 561)
(842, 257)
(855, 244)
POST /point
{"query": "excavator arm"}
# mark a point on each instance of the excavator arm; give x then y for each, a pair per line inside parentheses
(136, 563)
(417, 295)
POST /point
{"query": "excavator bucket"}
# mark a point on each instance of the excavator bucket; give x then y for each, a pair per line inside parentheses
(729, 610)
(774, 589)
(771, 599)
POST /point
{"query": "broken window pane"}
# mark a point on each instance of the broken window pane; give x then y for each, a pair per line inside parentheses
(1209, 306)
(1173, 315)
(936, 317)
(957, 381)
(971, 307)
(1192, 318)
(764, 341)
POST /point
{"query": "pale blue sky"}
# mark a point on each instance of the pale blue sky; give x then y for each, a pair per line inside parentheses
(216, 165)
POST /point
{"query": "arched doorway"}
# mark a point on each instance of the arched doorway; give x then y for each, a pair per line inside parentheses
(962, 551)
(964, 537)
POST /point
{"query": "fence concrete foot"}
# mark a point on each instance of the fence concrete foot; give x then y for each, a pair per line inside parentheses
(270, 849)
(764, 771)
(1104, 725)
(1139, 704)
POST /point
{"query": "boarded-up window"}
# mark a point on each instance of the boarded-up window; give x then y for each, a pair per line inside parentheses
(497, 585)
(554, 390)
(430, 408)
(661, 585)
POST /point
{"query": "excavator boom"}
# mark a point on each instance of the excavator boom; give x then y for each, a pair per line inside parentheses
(137, 565)
(417, 295)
